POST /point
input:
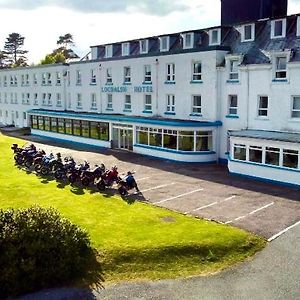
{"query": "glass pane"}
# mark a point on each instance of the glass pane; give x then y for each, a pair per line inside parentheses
(290, 160)
(104, 131)
(296, 103)
(85, 128)
(68, 124)
(278, 28)
(142, 137)
(255, 155)
(76, 127)
(61, 125)
(239, 153)
(272, 156)
(170, 141)
(54, 124)
(94, 130)
(186, 143)
(47, 123)
(263, 102)
(203, 143)
(155, 139)
(248, 32)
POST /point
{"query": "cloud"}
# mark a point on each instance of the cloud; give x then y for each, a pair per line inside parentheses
(150, 7)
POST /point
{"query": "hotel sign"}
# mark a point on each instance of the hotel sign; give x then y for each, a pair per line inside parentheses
(127, 89)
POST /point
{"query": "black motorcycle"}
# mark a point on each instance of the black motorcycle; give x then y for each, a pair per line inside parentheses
(74, 174)
(64, 168)
(90, 176)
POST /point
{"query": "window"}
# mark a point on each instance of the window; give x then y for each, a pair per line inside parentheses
(255, 154)
(170, 104)
(11, 98)
(272, 156)
(204, 141)
(263, 106)
(23, 98)
(35, 99)
(34, 79)
(44, 99)
(248, 33)
(188, 40)
(233, 70)
(290, 158)
(127, 75)
(147, 73)
(148, 103)
(109, 104)
(15, 80)
(11, 80)
(280, 67)
(197, 71)
(93, 77)
(58, 78)
(43, 78)
(164, 43)
(296, 107)
(22, 79)
(186, 140)
(170, 72)
(93, 101)
(170, 139)
(16, 98)
(239, 152)
(24, 116)
(78, 77)
(144, 46)
(125, 49)
(58, 99)
(214, 37)
(5, 98)
(79, 101)
(232, 104)
(278, 28)
(27, 79)
(49, 99)
(108, 51)
(5, 80)
(49, 81)
(108, 76)
(127, 105)
(196, 104)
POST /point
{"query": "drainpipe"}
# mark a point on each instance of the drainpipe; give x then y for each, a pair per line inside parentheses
(100, 83)
(248, 96)
(156, 83)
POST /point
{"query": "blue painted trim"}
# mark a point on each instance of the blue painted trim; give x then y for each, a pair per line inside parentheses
(127, 110)
(233, 81)
(58, 84)
(232, 117)
(147, 82)
(170, 113)
(280, 80)
(93, 83)
(196, 81)
(264, 165)
(169, 82)
(279, 183)
(78, 107)
(109, 109)
(79, 84)
(223, 161)
(123, 118)
(195, 115)
(147, 111)
(109, 83)
(127, 83)
(94, 108)
(175, 151)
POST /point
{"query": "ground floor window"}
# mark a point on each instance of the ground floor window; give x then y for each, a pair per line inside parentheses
(174, 139)
(239, 152)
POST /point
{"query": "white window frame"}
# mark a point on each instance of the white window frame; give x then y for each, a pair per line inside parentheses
(273, 26)
(233, 74)
(244, 39)
(125, 49)
(261, 109)
(170, 72)
(78, 100)
(292, 107)
(164, 40)
(127, 75)
(218, 41)
(109, 102)
(49, 81)
(276, 70)
(170, 103)
(127, 102)
(184, 39)
(93, 76)
(232, 108)
(49, 96)
(108, 51)
(144, 46)
(35, 81)
(58, 99)
(147, 76)
(196, 108)
(195, 75)
(109, 76)
(44, 99)
(147, 105)
(78, 77)
(93, 101)
(27, 79)
(58, 78)
(35, 99)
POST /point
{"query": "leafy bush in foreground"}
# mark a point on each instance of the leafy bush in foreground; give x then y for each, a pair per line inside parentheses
(39, 249)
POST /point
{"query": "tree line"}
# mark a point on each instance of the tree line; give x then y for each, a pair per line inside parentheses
(13, 55)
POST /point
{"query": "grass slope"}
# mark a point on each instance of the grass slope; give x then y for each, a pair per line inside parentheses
(136, 241)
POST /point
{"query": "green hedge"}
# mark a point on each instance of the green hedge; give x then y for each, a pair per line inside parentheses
(40, 249)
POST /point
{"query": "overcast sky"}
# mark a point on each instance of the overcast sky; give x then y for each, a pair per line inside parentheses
(93, 22)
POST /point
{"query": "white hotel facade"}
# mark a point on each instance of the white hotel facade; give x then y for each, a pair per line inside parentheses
(225, 94)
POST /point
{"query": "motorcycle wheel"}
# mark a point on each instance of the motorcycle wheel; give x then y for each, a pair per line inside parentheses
(27, 164)
(72, 178)
(122, 191)
(20, 160)
(45, 171)
(85, 181)
(37, 168)
(58, 174)
(101, 186)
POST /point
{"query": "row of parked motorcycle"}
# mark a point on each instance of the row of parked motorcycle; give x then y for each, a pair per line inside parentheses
(67, 169)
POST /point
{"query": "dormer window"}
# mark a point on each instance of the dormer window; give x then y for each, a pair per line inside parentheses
(248, 33)
(108, 51)
(188, 40)
(144, 46)
(125, 49)
(215, 36)
(164, 43)
(278, 28)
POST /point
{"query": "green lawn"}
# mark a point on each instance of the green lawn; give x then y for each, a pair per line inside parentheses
(136, 241)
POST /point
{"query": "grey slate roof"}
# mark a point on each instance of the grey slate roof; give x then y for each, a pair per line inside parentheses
(268, 135)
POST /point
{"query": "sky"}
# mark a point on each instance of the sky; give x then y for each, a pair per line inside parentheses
(94, 22)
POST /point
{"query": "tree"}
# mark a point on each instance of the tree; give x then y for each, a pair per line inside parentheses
(3, 57)
(14, 43)
(65, 40)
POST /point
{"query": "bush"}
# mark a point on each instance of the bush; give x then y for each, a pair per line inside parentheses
(40, 249)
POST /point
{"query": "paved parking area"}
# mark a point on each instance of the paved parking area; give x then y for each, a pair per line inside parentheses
(205, 191)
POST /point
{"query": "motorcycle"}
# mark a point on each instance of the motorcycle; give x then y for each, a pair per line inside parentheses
(107, 179)
(88, 176)
(126, 184)
(64, 168)
(74, 174)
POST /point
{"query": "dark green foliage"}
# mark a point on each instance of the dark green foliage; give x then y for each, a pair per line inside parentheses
(40, 249)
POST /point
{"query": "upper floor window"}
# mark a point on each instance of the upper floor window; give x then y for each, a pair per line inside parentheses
(44, 99)
(22, 79)
(278, 28)
(34, 79)
(127, 105)
(170, 104)
(108, 51)
(232, 104)
(188, 40)
(35, 99)
(296, 107)
(233, 70)
(93, 101)
(11, 80)
(5, 80)
(148, 103)
(215, 36)
(263, 103)
(280, 67)
(58, 78)
(196, 104)
(15, 80)
(109, 103)
(49, 81)
(93, 77)
(164, 43)
(79, 101)
(170, 72)
(27, 79)
(197, 71)
(43, 78)
(49, 99)
(108, 76)
(144, 45)
(58, 99)
(78, 77)
(125, 49)
(248, 32)
(127, 75)
(147, 73)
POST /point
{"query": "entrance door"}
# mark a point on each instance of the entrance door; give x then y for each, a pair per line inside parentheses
(123, 137)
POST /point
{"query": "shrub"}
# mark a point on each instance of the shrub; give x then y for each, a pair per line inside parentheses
(40, 249)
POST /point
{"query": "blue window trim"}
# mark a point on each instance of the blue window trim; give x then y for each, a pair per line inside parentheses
(94, 108)
(170, 113)
(109, 83)
(170, 82)
(127, 83)
(109, 109)
(233, 81)
(232, 117)
(77, 107)
(147, 82)
(147, 111)
(196, 81)
(174, 151)
(195, 115)
(127, 110)
(93, 83)
(78, 84)
(280, 80)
